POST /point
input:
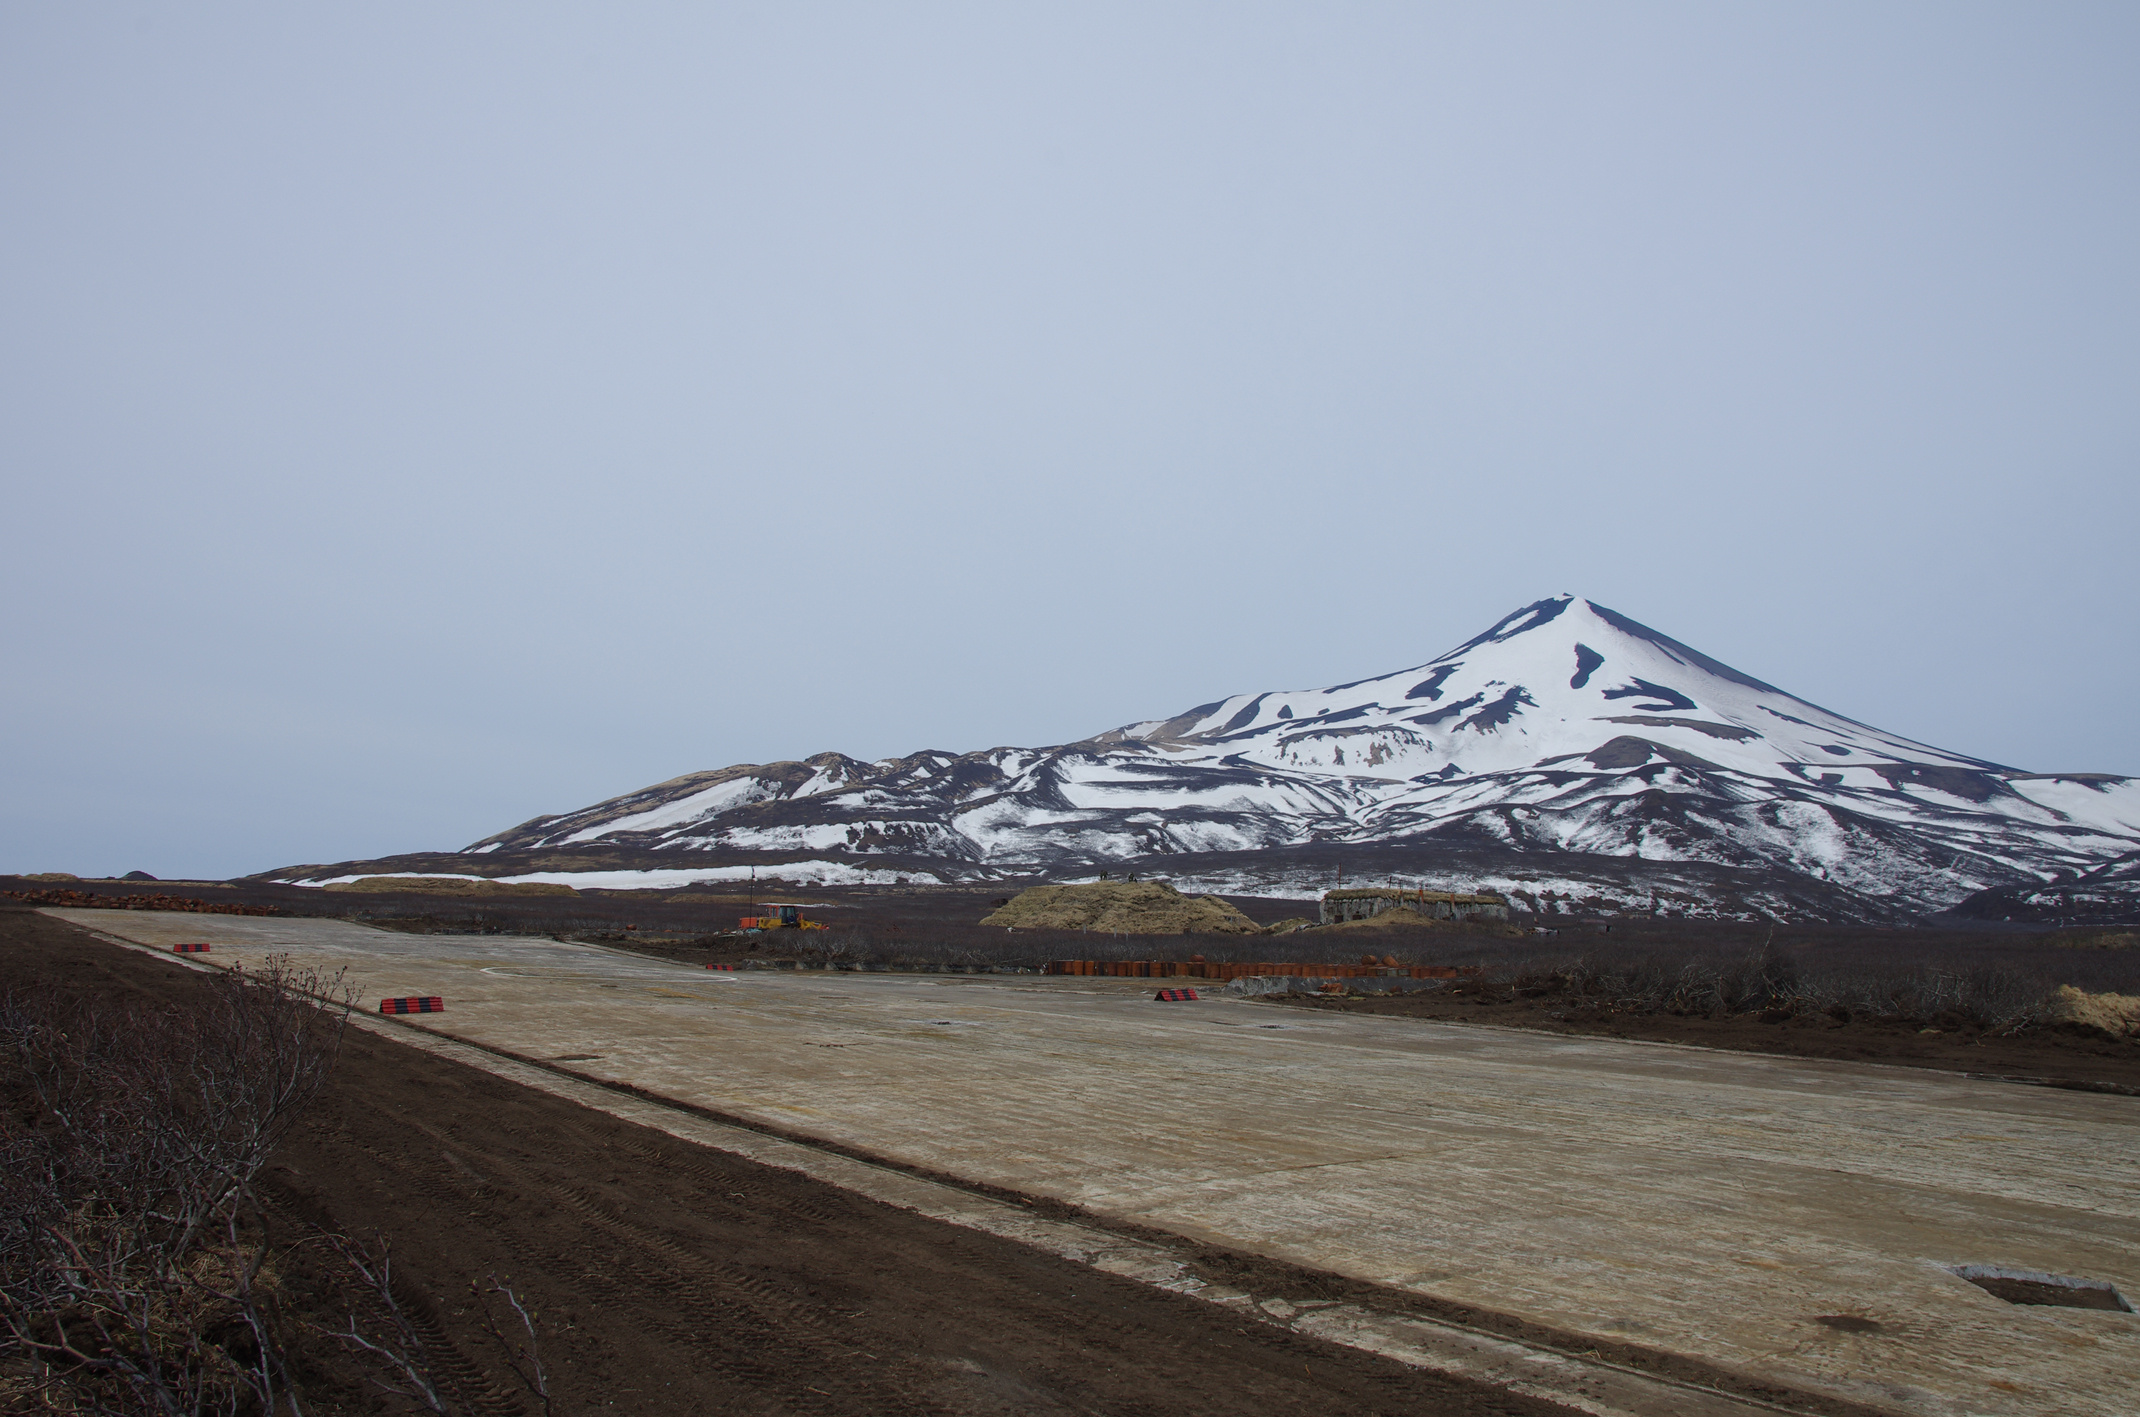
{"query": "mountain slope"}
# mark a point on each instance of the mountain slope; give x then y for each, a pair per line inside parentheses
(1564, 732)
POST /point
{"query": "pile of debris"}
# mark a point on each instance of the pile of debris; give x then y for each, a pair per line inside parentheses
(1410, 907)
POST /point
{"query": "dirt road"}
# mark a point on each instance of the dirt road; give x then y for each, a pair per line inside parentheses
(676, 1279)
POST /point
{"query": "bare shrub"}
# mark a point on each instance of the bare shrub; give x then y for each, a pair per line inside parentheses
(516, 1337)
(379, 1330)
(833, 947)
(1987, 993)
(135, 1257)
(140, 1272)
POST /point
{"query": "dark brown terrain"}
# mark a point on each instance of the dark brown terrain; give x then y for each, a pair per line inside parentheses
(2057, 1056)
(672, 1278)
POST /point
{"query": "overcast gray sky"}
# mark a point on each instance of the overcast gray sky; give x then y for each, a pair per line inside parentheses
(419, 417)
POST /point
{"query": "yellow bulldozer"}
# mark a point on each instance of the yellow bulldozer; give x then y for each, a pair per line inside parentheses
(790, 917)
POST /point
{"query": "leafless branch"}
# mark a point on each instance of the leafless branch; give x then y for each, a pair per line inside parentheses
(394, 1344)
(524, 1358)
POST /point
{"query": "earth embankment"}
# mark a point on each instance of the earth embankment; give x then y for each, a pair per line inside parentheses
(1122, 908)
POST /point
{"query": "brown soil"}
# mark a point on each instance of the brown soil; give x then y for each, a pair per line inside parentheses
(2074, 1056)
(448, 885)
(675, 1279)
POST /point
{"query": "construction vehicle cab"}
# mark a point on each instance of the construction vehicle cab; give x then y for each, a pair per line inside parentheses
(787, 917)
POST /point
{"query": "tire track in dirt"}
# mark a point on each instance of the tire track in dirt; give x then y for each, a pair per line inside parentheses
(728, 1185)
(766, 1337)
(459, 1377)
(819, 1300)
(785, 1335)
(464, 1382)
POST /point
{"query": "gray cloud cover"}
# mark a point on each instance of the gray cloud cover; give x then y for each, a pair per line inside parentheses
(417, 418)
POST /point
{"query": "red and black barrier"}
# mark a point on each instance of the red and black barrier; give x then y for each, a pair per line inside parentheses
(1176, 996)
(720, 966)
(192, 949)
(414, 1004)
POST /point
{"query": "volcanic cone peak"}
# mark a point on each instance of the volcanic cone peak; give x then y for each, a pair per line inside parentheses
(1580, 745)
(1543, 680)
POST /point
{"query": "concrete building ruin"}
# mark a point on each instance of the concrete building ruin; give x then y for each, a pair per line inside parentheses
(1340, 906)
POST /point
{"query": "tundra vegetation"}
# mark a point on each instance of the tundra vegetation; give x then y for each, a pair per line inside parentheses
(1988, 983)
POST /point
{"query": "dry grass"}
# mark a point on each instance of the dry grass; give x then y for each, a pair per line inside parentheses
(2117, 1015)
(1121, 908)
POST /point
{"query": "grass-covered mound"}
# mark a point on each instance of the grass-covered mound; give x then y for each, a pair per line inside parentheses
(1122, 908)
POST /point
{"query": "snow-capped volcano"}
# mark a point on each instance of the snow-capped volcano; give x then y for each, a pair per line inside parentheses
(1566, 733)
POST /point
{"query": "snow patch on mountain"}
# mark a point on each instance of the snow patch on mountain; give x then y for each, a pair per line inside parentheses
(1564, 728)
